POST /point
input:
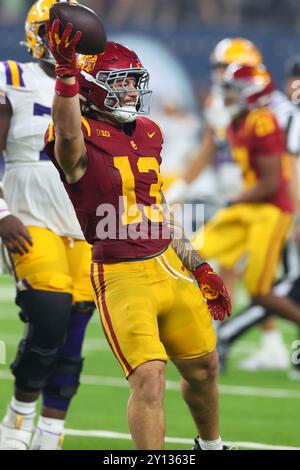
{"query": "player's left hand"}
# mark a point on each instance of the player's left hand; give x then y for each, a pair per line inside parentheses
(63, 48)
(214, 291)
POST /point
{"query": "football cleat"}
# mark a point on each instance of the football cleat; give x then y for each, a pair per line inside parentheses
(197, 446)
(267, 359)
(14, 438)
(45, 440)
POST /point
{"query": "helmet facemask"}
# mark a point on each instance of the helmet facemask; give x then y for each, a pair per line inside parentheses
(114, 83)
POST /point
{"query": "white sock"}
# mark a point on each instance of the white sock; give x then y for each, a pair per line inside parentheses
(51, 425)
(23, 408)
(27, 412)
(211, 445)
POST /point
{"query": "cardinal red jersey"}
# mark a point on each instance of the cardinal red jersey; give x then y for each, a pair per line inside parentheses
(118, 199)
(257, 134)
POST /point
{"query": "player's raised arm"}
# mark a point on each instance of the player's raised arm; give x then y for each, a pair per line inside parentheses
(69, 143)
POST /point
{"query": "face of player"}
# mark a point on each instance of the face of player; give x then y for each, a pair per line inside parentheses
(127, 91)
(232, 102)
(231, 96)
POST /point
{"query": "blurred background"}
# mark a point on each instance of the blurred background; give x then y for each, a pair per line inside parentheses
(188, 29)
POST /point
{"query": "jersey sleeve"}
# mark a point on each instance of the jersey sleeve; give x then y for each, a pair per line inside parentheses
(11, 81)
(50, 142)
(266, 136)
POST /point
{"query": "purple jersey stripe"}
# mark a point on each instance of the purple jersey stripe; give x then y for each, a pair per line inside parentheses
(44, 156)
(8, 73)
(21, 75)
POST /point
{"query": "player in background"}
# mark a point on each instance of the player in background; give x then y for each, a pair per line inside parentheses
(255, 225)
(289, 114)
(49, 255)
(108, 155)
(214, 152)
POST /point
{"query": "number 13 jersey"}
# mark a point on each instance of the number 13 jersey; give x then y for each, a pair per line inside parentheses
(118, 200)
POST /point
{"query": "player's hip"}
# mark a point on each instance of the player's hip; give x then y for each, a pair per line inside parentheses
(54, 263)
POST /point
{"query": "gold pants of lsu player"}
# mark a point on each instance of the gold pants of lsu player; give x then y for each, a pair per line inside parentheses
(152, 310)
(255, 233)
(55, 264)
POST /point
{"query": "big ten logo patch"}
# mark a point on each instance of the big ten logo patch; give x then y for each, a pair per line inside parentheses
(102, 133)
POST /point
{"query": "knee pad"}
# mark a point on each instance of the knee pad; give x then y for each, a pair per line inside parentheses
(47, 316)
(32, 365)
(63, 383)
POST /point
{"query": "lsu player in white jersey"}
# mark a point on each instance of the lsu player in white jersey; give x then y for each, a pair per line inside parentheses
(214, 151)
(49, 256)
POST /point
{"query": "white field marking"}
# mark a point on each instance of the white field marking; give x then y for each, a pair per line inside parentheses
(172, 385)
(101, 434)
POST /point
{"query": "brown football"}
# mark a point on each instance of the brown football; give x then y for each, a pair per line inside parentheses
(93, 39)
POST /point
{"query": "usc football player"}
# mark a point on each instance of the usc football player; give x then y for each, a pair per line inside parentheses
(108, 156)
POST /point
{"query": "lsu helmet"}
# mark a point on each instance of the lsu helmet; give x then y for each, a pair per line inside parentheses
(252, 85)
(98, 76)
(239, 50)
(35, 29)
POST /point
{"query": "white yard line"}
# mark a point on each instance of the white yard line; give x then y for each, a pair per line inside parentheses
(102, 434)
(174, 386)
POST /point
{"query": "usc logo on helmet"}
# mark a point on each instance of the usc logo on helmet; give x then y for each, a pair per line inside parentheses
(87, 62)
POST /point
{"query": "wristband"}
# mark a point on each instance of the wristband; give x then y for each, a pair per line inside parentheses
(4, 212)
(65, 90)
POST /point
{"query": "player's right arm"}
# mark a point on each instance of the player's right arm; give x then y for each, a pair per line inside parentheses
(202, 159)
(70, 151)
(211, 285)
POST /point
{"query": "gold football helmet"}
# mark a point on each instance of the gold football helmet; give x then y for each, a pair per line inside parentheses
(238, 50)
(35, 29)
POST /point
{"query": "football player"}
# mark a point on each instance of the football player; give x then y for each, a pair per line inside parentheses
(49, 255)
(214, 150)
(108, 156)
(289, 284)
(255, 225)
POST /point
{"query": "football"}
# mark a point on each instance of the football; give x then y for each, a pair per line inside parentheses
(93, 39)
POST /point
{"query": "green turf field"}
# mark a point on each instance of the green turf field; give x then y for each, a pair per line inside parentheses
(257, 408)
